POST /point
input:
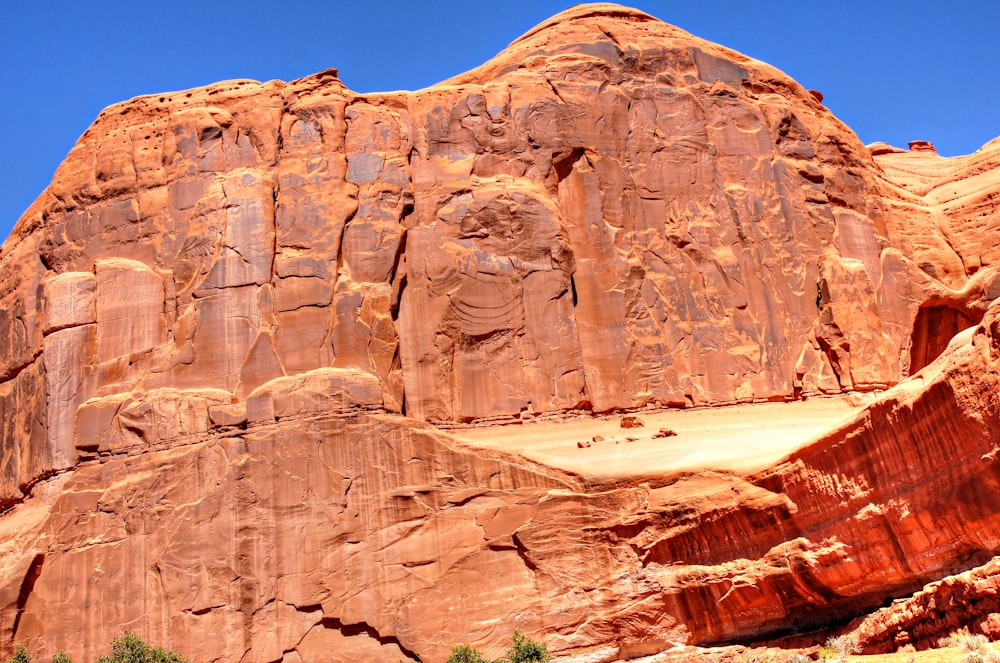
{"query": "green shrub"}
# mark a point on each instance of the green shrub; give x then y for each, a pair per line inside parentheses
(130, 648)
(465, 654)
(21, 655)
(525, 650)
(522, 650)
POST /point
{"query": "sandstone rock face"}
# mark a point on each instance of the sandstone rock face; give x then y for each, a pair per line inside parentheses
(228, 320)
(968, 600)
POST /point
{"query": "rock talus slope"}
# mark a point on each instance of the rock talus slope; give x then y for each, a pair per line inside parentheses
(234, 318)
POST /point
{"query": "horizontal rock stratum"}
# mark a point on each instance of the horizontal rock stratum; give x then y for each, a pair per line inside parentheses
(242, 329)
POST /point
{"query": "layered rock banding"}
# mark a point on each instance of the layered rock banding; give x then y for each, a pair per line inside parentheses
(236, 323)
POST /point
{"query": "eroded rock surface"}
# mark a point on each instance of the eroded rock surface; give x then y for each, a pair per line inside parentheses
(228, 319)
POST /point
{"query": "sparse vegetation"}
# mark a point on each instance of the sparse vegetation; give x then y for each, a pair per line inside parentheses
(465, 654)
(839, 648)
(522, 650)
(965, 641)
(975, 646)
(130, 648)
(126, 648)
(525, 650)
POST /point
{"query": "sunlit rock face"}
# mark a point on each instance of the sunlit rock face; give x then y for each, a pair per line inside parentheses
(230, 322)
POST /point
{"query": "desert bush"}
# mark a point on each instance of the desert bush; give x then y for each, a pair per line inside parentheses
(522, 650)
(975, 647)
(968, 642)
(985, 656)
(126, 648)
(525, 650)
(465, 654)
(130, 648)
(840, 648)
(21, 655)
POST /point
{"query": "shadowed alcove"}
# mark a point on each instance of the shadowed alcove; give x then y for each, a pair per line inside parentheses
(933, 328)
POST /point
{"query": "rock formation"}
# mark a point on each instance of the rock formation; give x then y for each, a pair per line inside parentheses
(237, 324)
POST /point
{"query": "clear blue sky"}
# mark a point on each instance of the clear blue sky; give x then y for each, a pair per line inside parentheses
(892, 70)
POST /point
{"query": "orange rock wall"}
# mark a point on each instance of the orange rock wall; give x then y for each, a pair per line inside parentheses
(226, 317)
(566, 232)
(325, 528)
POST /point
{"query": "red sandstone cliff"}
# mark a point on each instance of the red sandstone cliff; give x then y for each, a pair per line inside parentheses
(230, 315)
